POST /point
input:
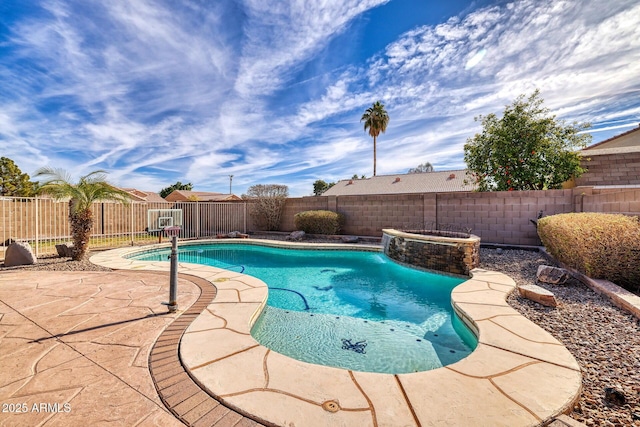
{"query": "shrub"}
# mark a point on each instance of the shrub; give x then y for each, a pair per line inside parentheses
(601, 246)
(267, 204)
(318, 222)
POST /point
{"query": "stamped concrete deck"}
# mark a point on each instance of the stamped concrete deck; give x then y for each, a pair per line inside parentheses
(74, 347)
(518, 376)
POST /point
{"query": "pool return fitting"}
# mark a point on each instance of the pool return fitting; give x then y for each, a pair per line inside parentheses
(173, 232)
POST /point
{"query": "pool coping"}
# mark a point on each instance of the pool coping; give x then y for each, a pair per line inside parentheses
(519, 375)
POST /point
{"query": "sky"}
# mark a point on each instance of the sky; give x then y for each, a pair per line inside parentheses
(272, 91)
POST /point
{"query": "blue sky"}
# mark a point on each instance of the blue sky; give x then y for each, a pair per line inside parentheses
(272, 91)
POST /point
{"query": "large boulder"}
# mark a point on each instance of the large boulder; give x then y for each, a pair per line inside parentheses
(19, 253)
(65, 250)
(553, 275)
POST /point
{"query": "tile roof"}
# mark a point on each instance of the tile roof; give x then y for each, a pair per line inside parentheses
(428, 182)
(201, 196)
(147, 196)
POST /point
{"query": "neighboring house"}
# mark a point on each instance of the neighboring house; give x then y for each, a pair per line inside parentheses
(200, 196)
(628, 139)
(428, 182)
(144, 196)
(614, 162)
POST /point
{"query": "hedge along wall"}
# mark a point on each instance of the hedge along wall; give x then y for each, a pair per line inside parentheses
(497, 217)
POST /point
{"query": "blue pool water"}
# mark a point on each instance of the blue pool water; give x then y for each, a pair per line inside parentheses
(351, 309)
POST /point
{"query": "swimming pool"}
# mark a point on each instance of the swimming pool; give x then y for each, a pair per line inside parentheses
(351, 309)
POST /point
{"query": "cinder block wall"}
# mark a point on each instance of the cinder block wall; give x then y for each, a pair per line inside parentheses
(611, 169)
(497, 217)
(625, 201)
(502, 217)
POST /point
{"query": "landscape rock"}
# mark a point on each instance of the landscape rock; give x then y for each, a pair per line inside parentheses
(236, 235)
(19, 253)
(65, 250)
(350, 239)
(614, 396)
(296, 236)
(538, 294)
(553, 275)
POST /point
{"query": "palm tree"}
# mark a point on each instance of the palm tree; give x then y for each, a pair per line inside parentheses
(375, 119)
(90, 188)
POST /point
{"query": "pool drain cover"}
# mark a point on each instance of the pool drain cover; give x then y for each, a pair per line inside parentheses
(331, 406)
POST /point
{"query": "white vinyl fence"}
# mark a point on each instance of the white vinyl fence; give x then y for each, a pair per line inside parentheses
(44, 222)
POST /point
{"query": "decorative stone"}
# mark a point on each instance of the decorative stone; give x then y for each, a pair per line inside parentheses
(19, 253)
(350, 239)
(236, 235)
(296, 236)
(614, 396)
(538, 294)
(553, 275)
(65, 250)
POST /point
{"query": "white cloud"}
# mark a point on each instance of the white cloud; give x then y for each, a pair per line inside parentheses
(158, 92)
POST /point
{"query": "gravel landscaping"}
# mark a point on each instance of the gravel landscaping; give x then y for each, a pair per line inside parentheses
(604, 339)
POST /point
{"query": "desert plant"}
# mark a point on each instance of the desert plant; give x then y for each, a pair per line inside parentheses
(318, 222)
(375, 120)
(90, 188)
(267, 204)
(601, 246)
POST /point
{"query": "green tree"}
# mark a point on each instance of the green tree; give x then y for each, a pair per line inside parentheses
(321, 186)
(525, 149)
(177, 186)
(267, 204)
(13, 182)
(375, 120)
(90, 188)
(422, 168)
(355, 176)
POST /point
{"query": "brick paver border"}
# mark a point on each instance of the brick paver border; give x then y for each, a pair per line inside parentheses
(177, 390)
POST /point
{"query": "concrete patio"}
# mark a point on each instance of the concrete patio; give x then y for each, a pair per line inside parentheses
(75, 350)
